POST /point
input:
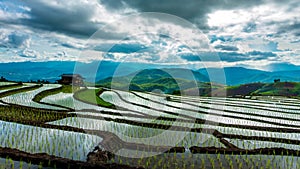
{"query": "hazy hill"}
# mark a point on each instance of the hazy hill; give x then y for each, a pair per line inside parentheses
(235, 75)
(260, 89)
(94, 71)
(101, 70)
(240, 75)
(167, 80)
(173, 80)
(279, 89)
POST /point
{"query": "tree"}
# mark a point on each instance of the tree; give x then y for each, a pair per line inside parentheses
(3, 79)
(168, 98)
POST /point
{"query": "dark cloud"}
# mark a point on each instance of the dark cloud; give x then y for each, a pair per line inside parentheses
(285, 27)
(67, 45)
(250, 27)
(71, 45)
(228, 56)
(227, 47)
(109, 56)
(262, 54)
(73, 18)
(70, 18)
(193, 10)
(61, 54)
(214, 38)
(16, 40)
(233, 56)
(289, 27)
(121, 48)
(216, 57)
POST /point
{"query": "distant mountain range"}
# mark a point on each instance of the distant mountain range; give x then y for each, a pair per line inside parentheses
(175, 81)
(260, 89)
(96, 71)
(240, 75)
(167, 80)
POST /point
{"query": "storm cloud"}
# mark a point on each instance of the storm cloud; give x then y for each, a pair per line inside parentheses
(195, 11)
(228, 56)
(236, 30)
(227, 47)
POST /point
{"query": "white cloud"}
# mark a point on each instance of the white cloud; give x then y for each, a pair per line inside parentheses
(30, 29)
(6, 16)
(14, 39)
(224, 18)
(28, 53)
(19, 40)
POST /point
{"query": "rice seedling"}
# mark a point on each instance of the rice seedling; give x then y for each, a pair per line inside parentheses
(131, 125)
(60, 143)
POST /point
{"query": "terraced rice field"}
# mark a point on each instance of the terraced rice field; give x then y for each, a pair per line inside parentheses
(149, 129)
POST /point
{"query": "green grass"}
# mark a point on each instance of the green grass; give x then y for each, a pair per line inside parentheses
(68, 88)
(91, 96)
(279, 89)
(24, 115)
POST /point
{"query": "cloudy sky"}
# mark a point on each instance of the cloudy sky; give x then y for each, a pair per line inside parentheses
(245, 33)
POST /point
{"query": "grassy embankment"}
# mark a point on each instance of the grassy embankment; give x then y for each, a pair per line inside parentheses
(91, 96)
(43, 94)
(63, 89)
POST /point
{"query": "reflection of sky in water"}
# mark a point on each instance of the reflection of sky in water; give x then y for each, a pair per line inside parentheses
(143, 135)
(60, 143)
(7, 164)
